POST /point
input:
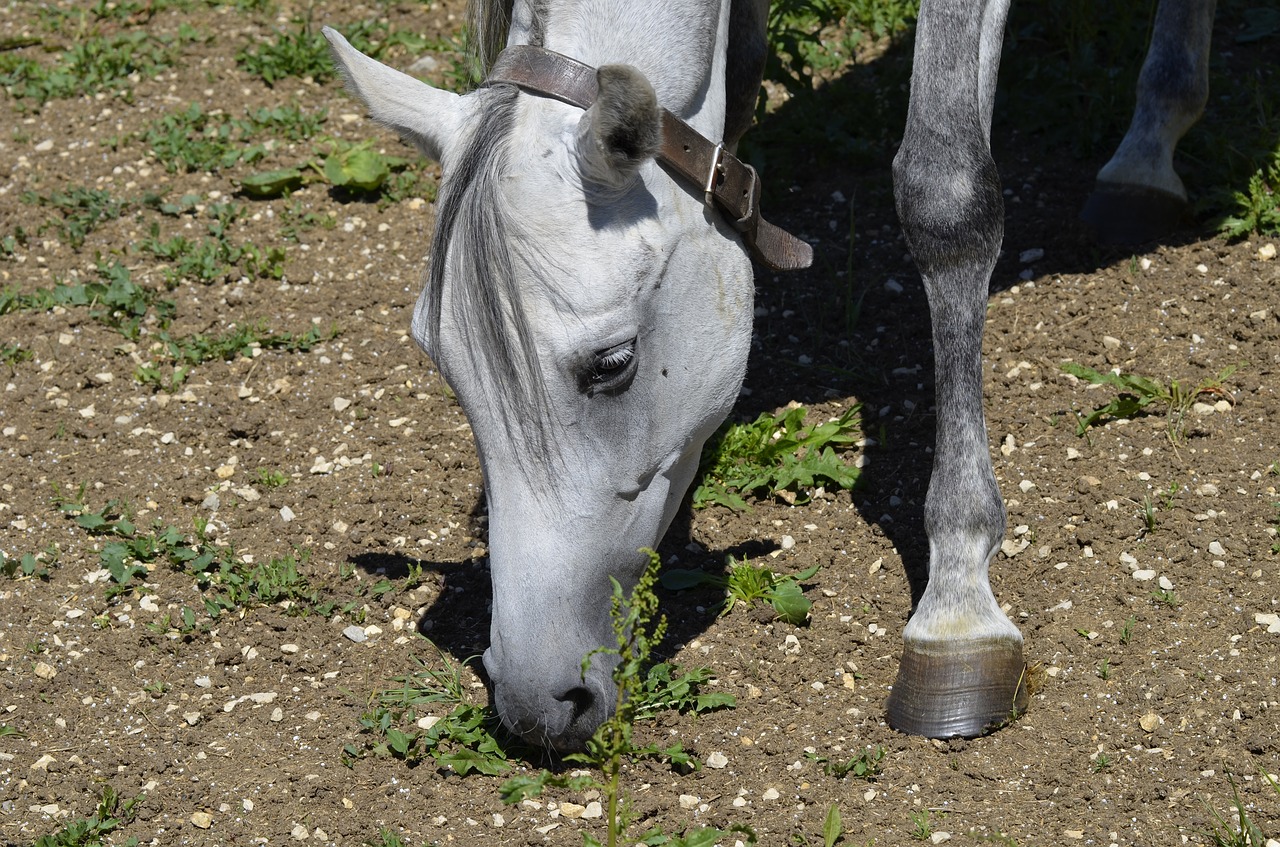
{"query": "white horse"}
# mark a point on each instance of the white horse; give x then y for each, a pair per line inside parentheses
(589, 299)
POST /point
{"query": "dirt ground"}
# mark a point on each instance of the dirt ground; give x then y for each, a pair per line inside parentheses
(1157, 641)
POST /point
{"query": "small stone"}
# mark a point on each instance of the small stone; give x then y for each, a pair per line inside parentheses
(788, 542)
(1267, 252)
(717, 760)
(201, 820)
(1149, 722)
(939, 837)
(340, 403)
(225, 471)
(1270, 620)
(593, 810)
(42, 763)
(192, 718)
(1026, 485)
(1202, 408)
(428, 721)
(355, 633)
(571, 810)
(203, 682)
(1144, 575)
(299, 832)
(277, 714)
(1165, 583)
(286, 514)
(770, 794)
(1110, 342)
(689, 801)
(88, 411)
(288, 648)
(1216, 548)
(1073, 453)
(1035, 254)
(44, 670)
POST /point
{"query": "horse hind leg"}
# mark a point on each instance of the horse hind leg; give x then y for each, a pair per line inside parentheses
(962, 668)
(1138, 196)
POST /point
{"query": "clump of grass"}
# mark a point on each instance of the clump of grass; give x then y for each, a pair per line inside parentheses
(923, 822)
(746, 584)
(1245, 833)
(1166, 597)
(777, 454)
(88, 66)
(1136, 393)
(111, 813)
(302, 51)
(865, 765)
(82, 211)
(114, 299)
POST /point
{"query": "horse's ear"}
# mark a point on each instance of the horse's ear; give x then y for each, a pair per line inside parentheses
(426, 117)
(622, 129)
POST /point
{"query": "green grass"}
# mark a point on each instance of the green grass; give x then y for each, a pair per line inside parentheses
(776, 454)
(114, 299)
(747, 584)
(88, 66)
(193, 140)
(1137, 393)
(111, 813)
(1257, 208)
(865, 765)
(302, 50)
(230, 583)
(1243, 832)
(82, 210)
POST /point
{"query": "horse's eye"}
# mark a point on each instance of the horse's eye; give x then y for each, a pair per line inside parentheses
(610, 370)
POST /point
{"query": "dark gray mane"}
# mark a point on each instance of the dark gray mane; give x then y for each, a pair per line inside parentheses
(472, 240)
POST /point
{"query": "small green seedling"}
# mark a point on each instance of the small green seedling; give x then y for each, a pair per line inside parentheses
(1126, 631)
(1166, 597)
(866, 765)
(923, 822)
(746, 583)
(1104, 669)
(1148, 515)
(1101, 762)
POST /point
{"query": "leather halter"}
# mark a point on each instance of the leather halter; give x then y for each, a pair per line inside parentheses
(728, 183)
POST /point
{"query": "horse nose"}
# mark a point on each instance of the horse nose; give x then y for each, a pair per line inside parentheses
(560, 717)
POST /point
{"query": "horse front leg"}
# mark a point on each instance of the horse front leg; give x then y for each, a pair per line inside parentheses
(1138, 195)
(962, 669)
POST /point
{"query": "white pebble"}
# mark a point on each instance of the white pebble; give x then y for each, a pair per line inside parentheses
(286, 514)
(355, 633)
(1144, 575)
(689, 801)
(717, 760)
(770, 794)
(1216, 548)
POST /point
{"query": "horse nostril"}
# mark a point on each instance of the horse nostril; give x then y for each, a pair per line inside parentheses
(581, 699)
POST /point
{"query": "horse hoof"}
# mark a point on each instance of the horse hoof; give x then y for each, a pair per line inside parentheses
(967, 689)
(1132, 214)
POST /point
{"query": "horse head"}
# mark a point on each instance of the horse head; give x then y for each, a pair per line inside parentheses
(593, 316)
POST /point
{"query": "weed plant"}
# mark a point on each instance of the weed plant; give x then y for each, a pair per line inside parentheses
(746, 584)
(776, 453)
(110, 814)
(1139, 392)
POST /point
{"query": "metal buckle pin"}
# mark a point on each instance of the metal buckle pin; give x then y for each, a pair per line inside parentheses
(709, 190)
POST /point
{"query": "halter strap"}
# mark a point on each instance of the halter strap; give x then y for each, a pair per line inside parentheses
(728, 183)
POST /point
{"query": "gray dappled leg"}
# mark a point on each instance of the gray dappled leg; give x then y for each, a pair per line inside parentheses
(962, 668)
(1138, 195)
